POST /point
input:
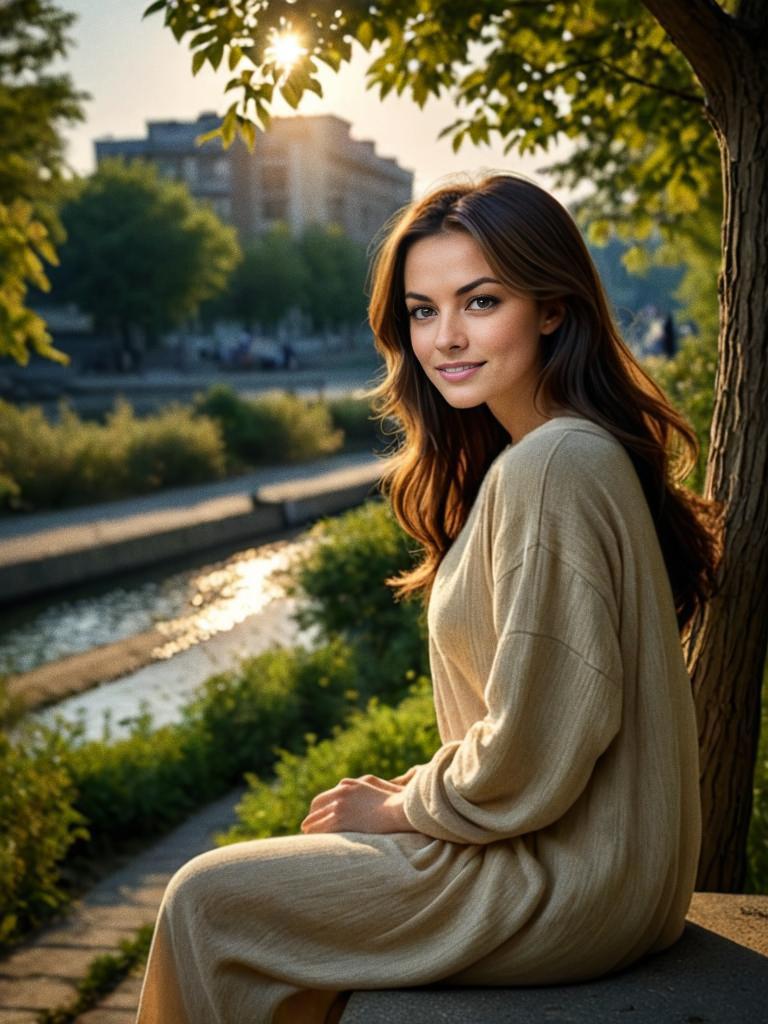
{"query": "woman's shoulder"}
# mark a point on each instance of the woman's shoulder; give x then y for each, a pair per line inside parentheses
(566, 448)
(568, 473)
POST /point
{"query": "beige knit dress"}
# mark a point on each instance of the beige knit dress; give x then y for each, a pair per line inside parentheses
(559, 821)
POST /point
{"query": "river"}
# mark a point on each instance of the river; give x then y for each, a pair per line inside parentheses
(207, 617)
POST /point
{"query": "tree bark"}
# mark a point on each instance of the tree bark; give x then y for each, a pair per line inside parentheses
(728, 651)
(726, 647)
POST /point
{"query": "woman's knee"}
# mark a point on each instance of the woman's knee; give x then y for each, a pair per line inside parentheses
(194, 885)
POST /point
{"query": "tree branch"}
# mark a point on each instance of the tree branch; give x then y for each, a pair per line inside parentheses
(689, 97)
(702, 31)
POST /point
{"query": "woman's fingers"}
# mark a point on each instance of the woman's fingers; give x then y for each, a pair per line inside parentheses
(373, 780)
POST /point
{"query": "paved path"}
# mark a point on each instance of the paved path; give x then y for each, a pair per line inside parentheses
(161, 509)
(43, 974)
(56, 550)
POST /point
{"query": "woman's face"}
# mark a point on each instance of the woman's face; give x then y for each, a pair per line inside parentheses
(476, 339)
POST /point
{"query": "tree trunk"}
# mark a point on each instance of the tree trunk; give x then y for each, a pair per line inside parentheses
(726, 649)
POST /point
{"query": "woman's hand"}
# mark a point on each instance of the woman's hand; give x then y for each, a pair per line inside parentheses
(367, 804)
(405, 778)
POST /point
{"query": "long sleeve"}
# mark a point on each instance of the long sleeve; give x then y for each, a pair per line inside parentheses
(553, 693)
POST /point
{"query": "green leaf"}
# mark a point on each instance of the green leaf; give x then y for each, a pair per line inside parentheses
(290, 93)
(215, 53)
(198, 60)
(229, 126)
(158, 5)
(215, 133)
(248, 133)
(365, 34)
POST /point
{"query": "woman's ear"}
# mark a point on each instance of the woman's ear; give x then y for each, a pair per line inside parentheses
(552, 315)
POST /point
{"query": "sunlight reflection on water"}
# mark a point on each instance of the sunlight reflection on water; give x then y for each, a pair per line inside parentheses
(187, 606)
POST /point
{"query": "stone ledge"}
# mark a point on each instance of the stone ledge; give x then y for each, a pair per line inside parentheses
(717, 973)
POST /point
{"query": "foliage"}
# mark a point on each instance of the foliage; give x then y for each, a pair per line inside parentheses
(143, 784)
(604, 75)
(341, 578)
(36, 106)
(335, 268)
(689, 382)
(104, 974)
(354, 417)
(24, 243)
(38, 825)
(121, 223)
(276, 427)
(632, 292)
(269, 280)
(75, 461)
(757, 841)
(383, 741)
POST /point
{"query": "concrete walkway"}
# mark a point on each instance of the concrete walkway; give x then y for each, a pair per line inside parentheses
(44, 973)
(50, 550)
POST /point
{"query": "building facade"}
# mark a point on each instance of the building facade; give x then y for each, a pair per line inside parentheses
(303, 170)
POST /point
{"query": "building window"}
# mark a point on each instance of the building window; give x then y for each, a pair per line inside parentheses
(276, 177)
(275, 209)
(221, 169)
(167, 169)
(223, 207)
(189, 169)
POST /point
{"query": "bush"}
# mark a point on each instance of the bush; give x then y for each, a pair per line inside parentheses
(38, 825)
(381, 741)
(45, 465)
(354, 417)
(276, 427)
(757, 841)
(142, 784)
(689, 381)
(341, 579)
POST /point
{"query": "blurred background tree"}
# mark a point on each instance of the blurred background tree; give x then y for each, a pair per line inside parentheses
(334, 293)
(141, 254)
(35, 107)
(267, 281)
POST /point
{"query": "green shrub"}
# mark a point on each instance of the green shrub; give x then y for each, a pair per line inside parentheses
(170, 449)
(45, 465)
(381, 740)
(38, 825)
(354, 417)
(141, 785)
(341, 579)
(757, 841)
(689, 381)
(275, 427)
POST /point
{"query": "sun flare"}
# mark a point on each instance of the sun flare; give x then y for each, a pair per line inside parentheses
(285, 49)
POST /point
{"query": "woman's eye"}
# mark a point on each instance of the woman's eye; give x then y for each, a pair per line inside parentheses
(485, 298)
(416, 309)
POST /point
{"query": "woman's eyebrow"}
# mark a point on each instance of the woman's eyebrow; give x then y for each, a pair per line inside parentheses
(459, 291)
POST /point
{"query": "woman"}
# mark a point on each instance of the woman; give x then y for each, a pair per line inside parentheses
(554, 835)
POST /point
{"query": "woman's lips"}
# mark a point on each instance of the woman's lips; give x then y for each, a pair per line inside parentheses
(462, 371)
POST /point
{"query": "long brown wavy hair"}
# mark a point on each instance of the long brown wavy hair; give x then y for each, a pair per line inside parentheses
(433, 474)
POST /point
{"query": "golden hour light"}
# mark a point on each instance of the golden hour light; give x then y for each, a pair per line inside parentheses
(285, 49)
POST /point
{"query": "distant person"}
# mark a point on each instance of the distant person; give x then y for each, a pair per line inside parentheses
(289, 355)
(554, 835)
(669, 337)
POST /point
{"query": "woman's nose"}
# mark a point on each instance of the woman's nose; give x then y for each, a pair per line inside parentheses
(450, 332)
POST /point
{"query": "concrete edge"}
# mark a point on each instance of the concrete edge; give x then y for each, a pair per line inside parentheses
(34, 576)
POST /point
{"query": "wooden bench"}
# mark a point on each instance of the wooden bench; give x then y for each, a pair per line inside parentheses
(717, 973)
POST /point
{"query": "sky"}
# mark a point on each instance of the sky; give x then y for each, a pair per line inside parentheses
(134, 71)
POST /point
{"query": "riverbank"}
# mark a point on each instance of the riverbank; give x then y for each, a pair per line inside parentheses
(49, 551)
